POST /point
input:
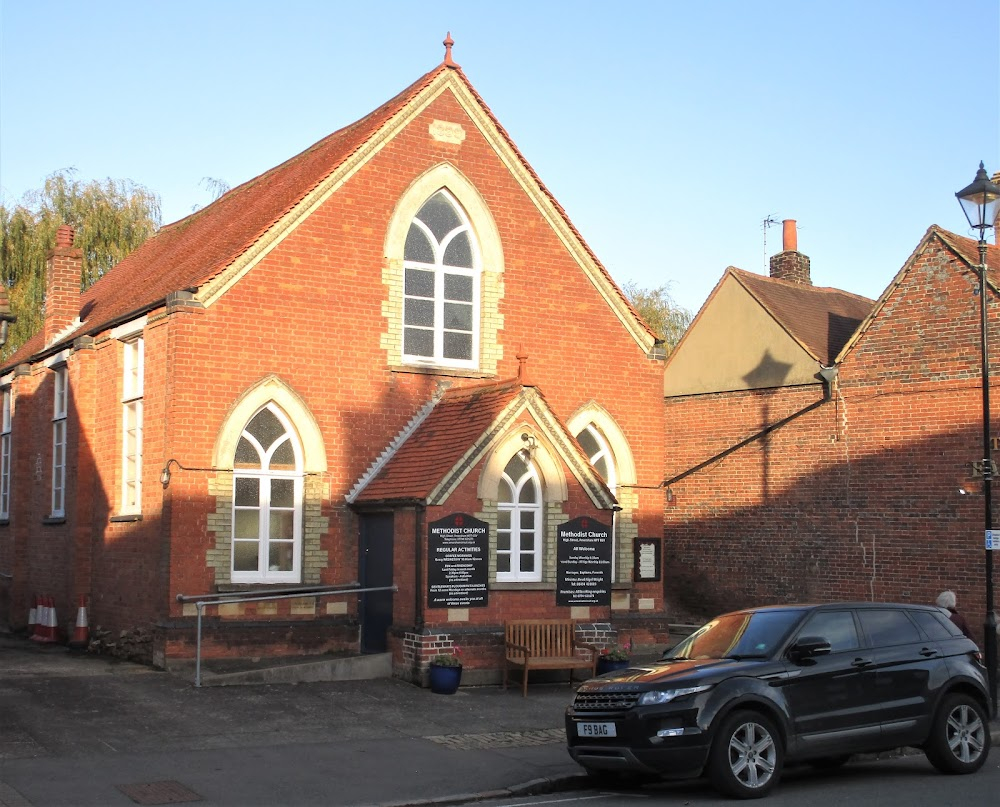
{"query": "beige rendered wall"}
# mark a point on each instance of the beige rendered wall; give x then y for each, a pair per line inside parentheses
(735, 344)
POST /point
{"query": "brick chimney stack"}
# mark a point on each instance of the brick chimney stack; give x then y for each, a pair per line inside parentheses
(790, 264)
(63, 270)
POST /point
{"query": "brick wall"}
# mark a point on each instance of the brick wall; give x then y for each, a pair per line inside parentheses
(858, 499)
(313, 313)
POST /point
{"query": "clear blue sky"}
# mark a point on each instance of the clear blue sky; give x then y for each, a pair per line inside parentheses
(669, 131)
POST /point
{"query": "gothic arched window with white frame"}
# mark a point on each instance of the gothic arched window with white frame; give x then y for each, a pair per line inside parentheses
(519, 522)
(441, 286)
(267, 501)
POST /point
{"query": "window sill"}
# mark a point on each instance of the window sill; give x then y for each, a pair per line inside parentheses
(518, 586)
(126, 518)
(236, 588)
(54, 520)
(434, 369)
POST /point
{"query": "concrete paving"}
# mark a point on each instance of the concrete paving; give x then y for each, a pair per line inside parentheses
(82, 730)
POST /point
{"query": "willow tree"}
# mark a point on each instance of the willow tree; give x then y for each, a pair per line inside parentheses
(668, 320)
(111, 218)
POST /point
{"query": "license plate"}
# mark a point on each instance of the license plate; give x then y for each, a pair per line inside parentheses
(595, 730)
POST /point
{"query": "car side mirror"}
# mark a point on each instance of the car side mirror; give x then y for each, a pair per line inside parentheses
(809, 647)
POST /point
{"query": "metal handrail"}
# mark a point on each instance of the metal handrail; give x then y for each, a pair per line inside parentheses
(303, 590)
(201, 600)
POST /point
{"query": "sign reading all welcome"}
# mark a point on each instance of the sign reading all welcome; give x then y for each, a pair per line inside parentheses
(583, 563)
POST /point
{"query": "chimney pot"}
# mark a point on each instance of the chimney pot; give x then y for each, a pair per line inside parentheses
(64, 236)
(789, 236)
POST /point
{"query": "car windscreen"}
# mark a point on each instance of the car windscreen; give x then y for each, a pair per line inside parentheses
(756, 634)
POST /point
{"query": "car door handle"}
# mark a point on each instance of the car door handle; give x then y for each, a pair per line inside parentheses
(927, 652)
(861, 662)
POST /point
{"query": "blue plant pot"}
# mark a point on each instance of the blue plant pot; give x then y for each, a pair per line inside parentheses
(445, 680)
(606, 665)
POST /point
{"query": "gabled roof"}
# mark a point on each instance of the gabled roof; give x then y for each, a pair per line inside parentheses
(198, 249)
(966, 249)
(454, 432)
(821, 319)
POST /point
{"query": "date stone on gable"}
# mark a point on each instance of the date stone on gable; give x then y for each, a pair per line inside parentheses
(446, 132)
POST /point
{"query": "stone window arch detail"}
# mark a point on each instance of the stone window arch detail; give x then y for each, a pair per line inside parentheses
(273, 395)
(600, 435)
(486, 352)
(552, 488)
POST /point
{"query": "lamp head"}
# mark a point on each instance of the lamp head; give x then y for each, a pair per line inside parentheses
(980, 202)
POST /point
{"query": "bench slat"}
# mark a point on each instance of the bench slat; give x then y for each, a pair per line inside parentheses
(548, 644)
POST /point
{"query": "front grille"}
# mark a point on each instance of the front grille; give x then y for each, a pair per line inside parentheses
(603, 701)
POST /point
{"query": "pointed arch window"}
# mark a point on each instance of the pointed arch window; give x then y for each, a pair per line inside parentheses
(267, 501)
(519, 522)
(441, 286)
(596, 447)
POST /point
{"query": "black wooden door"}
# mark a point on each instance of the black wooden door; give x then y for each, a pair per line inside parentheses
(375, 571)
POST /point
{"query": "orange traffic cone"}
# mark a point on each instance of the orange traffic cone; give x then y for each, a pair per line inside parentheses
(51, 627)
(41, 619)
(81, 633)
(33, 615)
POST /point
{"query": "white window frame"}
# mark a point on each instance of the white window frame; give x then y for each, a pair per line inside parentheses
(60, 393)
(440, 269)
(516, 508)
(604, 452)
(133, 369)
(5, 438)
(264, 475)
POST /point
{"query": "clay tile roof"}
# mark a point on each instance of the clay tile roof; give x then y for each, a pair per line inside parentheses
(821, 318)
(188, 253)
(968, 248)
(457, 422)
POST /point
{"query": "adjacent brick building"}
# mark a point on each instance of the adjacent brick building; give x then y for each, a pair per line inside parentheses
(395, 329)
(821, 446)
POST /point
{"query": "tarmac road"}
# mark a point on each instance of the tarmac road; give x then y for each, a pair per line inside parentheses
(82, 730)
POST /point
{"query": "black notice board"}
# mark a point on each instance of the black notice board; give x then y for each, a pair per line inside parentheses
(583, 563)
(647, 560)
(458, 562)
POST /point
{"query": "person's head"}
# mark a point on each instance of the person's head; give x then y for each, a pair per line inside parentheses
(946, 599)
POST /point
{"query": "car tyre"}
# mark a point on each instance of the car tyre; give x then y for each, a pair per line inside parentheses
(747, 756)
(960, 736)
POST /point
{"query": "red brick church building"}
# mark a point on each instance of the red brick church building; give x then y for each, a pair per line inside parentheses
(392, 338)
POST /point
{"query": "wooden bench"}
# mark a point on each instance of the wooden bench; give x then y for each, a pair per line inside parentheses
(545, 644)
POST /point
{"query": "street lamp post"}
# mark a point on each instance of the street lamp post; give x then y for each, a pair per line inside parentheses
(980, 202)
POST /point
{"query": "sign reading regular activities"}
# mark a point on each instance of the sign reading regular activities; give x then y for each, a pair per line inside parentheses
(457, 562)
(583, 563)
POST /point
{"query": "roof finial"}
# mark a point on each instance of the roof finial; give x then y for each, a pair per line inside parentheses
(522, 367)
(448, 42)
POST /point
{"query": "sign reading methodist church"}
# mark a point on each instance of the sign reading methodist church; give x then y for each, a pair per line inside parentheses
(583, 563)
(457, 562)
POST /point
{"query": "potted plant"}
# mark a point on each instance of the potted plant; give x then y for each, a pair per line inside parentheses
(446, 672)
(613, 657)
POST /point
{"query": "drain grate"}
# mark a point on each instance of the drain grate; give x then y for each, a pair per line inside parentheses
(500, 739)
(168, 792)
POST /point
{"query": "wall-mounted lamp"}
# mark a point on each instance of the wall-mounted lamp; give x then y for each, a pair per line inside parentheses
(530, 444)
(963, 492)
(670, 495)
(165, 473)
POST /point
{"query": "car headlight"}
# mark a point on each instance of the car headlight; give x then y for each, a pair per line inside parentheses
(657, 696)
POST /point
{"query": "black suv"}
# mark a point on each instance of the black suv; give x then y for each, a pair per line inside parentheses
(799, 683)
